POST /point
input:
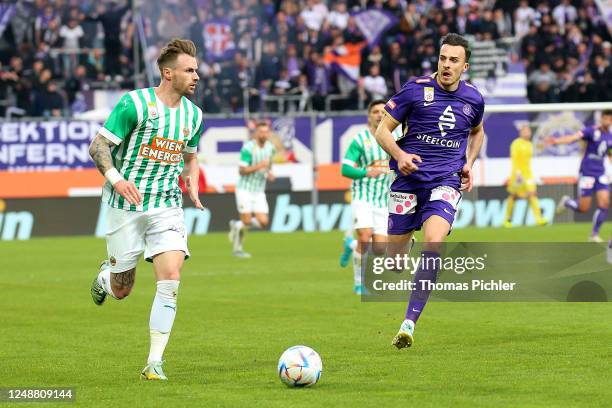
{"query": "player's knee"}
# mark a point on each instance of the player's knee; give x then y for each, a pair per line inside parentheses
(171, 274)
(583, 208)
(364, 236)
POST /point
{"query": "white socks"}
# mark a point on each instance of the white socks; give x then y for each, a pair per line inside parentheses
(237, 244)
(162, 317)
(358, 259)
(353, 244)
(105, 282)
(255, 223)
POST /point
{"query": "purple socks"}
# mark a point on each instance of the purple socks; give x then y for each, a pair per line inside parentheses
(427, 272)
(600, 215)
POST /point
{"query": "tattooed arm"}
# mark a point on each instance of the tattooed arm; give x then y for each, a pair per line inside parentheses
(100, 152)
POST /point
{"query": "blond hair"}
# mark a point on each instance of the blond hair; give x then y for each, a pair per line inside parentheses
(171, 51)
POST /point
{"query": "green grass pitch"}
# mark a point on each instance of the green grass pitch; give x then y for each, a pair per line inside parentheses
(236, 316)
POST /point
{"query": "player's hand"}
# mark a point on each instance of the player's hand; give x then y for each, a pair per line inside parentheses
(373, 172)
(192, 189)
(270, 176)
(467, 178)
(263, 164)
(405, 163)
(128, 190)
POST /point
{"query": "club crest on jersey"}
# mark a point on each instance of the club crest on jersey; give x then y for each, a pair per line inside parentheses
(152, 110)
(428, 94)
(467, 109)
(185, 132)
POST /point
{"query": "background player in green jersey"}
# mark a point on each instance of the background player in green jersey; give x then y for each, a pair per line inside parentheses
(255, 163)
(368, 165)
(150, 138)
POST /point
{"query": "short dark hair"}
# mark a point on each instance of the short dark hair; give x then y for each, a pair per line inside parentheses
(606, 112)
(375, 102)
(456, 39)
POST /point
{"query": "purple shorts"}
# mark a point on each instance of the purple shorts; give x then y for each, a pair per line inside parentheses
(588, 184)
(409, 210)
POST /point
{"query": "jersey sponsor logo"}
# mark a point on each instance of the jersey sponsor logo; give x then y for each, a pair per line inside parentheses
(391, 105)
(381, 165)
(428, 93)
(163, 150)
(402, 203)
(455, 144)
(428, 103)
(446, 120)
(112, 260)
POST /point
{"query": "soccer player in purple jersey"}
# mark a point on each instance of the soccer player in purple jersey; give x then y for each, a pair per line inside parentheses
(442, 120)
(592, 176)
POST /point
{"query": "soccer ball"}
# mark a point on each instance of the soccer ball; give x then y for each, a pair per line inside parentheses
(300, 366)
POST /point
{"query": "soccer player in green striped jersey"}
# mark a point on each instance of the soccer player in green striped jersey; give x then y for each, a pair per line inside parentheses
(368, 165)
(150, 138)
(255, 163)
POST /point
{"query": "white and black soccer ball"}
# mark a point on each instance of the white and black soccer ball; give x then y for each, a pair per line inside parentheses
(300, 366)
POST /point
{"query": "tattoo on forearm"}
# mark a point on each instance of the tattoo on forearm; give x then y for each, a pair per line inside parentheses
(100, 152)
(124, 280)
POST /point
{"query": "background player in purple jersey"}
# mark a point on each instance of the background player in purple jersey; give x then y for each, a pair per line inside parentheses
(592, 176)
(442, 120)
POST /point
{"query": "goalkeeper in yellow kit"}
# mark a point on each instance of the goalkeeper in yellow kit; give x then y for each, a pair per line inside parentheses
(522, 183)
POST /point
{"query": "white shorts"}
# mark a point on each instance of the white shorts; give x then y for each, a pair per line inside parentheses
(366, 215)
(130, 233)
(249, 202)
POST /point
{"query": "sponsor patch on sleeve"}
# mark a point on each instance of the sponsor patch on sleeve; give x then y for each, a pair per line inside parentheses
(391, 104)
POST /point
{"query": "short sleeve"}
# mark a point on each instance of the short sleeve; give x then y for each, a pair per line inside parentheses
(352, 153)
(246, 157)
(400, 106)
(192, 145)
(121, 122)
(587, 133)
(479, 113)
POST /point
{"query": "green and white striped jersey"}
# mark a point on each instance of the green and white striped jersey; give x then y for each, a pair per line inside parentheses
(150, 140)
(250, 155)
(363, 152)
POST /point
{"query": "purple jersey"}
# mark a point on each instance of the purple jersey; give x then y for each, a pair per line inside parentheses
(598, 143)
(438, 123)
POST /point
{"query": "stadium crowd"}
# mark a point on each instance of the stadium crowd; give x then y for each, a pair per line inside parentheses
(255, 50)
